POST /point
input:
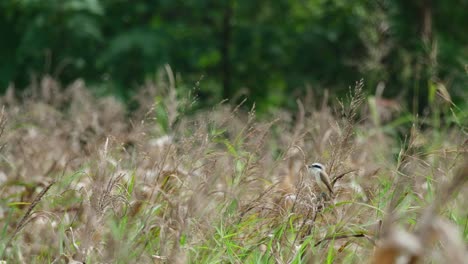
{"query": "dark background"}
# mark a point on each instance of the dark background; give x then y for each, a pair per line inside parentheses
(268, 51)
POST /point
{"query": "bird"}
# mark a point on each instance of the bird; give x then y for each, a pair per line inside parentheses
(321, 177)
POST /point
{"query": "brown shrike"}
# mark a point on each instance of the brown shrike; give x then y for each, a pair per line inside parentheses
(321, 177)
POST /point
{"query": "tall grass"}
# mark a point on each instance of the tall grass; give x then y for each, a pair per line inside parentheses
(158, 185)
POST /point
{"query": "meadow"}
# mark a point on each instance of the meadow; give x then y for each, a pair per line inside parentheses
(82, 179)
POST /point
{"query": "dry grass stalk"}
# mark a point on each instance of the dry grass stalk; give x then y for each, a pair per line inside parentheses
(26, 215)
(345, 143)
(413, 247)
(207, 187)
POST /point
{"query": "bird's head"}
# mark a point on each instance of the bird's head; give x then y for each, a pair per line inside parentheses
(316, 167)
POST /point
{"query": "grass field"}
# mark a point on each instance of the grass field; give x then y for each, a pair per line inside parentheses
(83, 180)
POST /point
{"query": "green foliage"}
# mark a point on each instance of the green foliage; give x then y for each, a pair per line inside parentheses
(268, 52)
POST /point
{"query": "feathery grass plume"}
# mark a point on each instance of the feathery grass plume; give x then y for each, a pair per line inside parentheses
(166, 184)
(26, 216)
(414, 247)
(344, 148)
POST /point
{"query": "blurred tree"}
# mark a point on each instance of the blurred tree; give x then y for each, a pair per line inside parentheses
(58, 37)
(255, 48)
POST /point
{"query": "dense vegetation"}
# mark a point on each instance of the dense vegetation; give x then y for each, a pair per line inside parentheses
(117, 146)
(83, 181)
(270, 52)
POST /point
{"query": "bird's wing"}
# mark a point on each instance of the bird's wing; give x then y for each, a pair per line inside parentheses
(324, 178)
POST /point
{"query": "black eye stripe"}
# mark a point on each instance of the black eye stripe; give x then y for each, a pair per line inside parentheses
(316, 166)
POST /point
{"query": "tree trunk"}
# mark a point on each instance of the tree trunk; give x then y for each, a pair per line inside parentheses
(225, 47)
